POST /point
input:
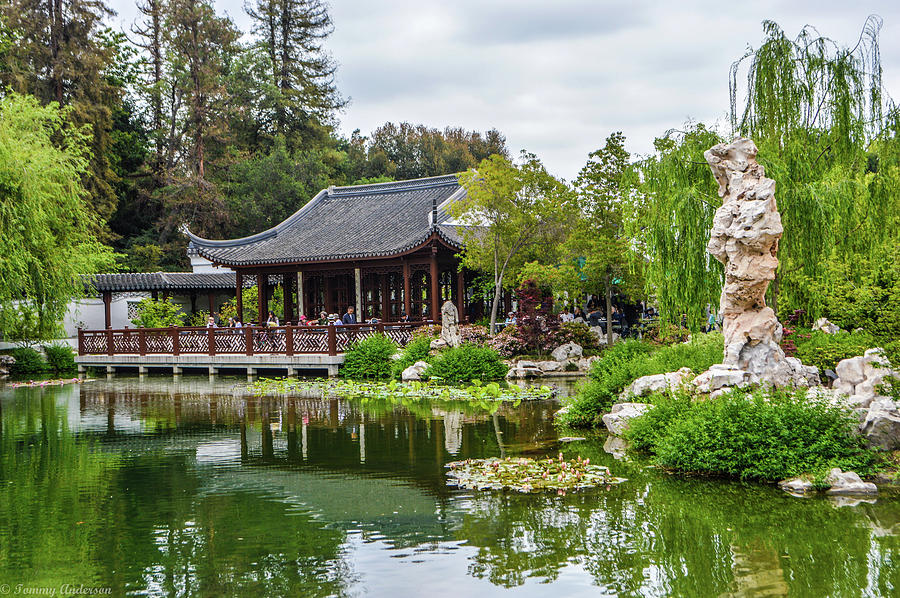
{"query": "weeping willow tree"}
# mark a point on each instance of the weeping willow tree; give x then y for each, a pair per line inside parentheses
(827, 133)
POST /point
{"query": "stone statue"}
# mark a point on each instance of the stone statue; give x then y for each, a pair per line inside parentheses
(450, 324)
(450, 336)
(744, 237)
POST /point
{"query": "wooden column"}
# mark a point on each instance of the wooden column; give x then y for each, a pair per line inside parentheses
(262, 284)
(211, 298)
(287, 281)
(357, 283)
(435, 285)
(239, 295)
(301, 308)
(329, 304)
(461, 295)
(385, 296)
(193, 303)
(406, 287)
(107, 308)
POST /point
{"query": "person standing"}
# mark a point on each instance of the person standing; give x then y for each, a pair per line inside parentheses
(349, 316)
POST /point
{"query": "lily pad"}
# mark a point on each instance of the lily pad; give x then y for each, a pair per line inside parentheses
(526, 475)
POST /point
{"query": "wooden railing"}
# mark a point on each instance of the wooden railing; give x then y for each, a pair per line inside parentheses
(249, 340)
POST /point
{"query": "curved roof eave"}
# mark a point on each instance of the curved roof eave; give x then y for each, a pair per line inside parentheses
(414, 246)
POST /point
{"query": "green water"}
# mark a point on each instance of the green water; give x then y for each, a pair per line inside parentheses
(195, 489)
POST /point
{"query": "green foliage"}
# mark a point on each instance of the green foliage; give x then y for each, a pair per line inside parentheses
(250, 298)
(60, 358)
(465, 363)
(198, 318)
(759, 436)
(628, 360)
(576, 332)
(28, 362)
(514, 209)
(158, 313)
(369, 358)
(46, 230)
(416, 350)
(825, 350)
(529, 475)
(506, 342)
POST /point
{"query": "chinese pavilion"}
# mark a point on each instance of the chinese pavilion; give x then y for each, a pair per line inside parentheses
(387, 249)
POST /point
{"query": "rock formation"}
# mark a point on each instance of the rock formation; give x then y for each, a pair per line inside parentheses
(744, 237)
(450, 336)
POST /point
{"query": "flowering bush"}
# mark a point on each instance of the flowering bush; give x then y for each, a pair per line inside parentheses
(575, 332)
(506, 342)
(476, 335)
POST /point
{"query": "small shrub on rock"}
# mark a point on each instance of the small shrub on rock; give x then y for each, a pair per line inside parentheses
(416, 350)
(475, 335)
(624, 362)
(578, 333)
(369, 358)
(60, 358)
(28, 362)
(763, 435)
(466, 363)
(825, 350)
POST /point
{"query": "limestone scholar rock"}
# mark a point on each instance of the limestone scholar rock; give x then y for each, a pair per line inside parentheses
(450, 324)
(744, 238)
(414, 372)
(826, 326)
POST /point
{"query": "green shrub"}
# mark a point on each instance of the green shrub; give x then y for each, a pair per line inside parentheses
(825, 350)
(416, 350)
(466, 363)
(759, 435)
(631, 359)
(576, 332)
(158, 313)
(60, 358)
(28, 362)
(369, 358)
(198, 318)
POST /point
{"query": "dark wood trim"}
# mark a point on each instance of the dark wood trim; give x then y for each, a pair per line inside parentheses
(406, 288)
(461, 294)
(432, 240)
(107, 309)
(435, 285)
(239, 295)
(262, 293)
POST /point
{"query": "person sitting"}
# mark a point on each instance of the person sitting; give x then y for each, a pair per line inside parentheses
(272, 320)
(231, 322)
(566, 316)
(323, 318)
(334, 320)
(236, 323)
(404, 317)
(210, 322)
(510, 319)
(578, 316)
(594, 317)
(349, 317)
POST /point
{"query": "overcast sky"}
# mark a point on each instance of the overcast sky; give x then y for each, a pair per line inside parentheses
(558, 76)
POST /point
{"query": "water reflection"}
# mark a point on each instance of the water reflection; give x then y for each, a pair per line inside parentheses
(193, 489)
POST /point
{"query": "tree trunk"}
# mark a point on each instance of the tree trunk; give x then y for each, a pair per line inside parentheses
(495, 304)
(609, 330)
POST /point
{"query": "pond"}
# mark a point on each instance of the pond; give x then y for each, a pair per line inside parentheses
(194, 488)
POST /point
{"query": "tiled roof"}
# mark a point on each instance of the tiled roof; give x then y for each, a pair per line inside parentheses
(161, 281)
(347, 223)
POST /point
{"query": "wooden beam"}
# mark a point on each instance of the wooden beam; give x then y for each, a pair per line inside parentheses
(287, 281)
(239, 295)
(107, 308)
(435, 285)
(406, 287)
(461, 294)
(262, 283)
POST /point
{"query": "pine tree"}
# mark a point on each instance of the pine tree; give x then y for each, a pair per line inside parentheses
(292, 33)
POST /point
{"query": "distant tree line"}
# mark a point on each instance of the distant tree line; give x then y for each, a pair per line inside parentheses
(192, 122)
